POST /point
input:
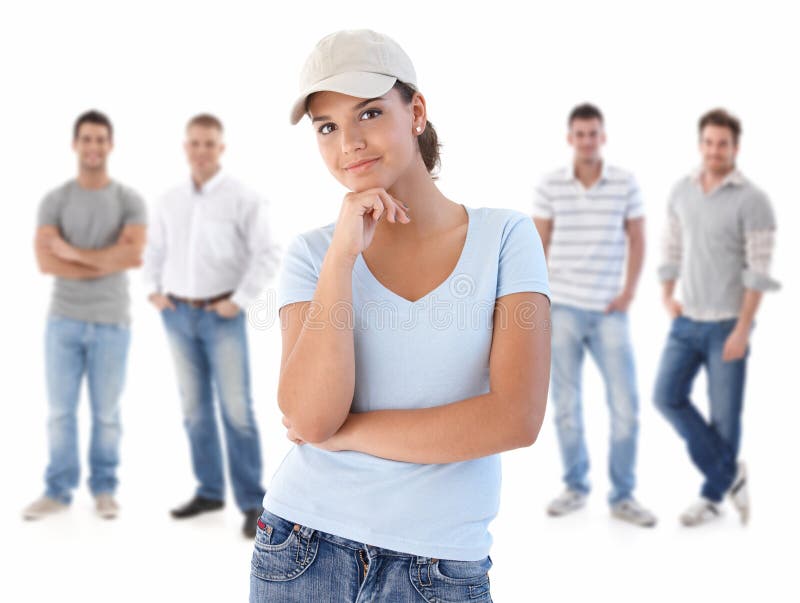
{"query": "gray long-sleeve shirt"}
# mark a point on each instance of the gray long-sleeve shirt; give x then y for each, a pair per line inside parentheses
(719, 244)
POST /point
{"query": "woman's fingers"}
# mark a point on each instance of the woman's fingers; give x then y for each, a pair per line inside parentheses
(380, 203)
(396, 210)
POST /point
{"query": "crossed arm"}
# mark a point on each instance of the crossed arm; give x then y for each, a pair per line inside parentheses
(508, 416)
(57, 257)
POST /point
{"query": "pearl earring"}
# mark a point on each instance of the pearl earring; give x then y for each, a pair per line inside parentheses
(419, 129)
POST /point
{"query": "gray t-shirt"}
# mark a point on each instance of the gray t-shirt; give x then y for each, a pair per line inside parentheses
(92, 219)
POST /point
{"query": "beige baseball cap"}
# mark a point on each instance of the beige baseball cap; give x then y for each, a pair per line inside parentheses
(358, 62)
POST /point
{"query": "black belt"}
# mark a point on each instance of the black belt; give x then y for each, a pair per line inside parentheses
(200, 303)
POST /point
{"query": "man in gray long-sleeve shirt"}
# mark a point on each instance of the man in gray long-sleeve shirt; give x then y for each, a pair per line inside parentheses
(719, 240)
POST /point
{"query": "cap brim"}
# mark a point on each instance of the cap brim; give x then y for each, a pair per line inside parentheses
(360, 84)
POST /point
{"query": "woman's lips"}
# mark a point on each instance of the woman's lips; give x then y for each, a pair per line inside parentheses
(361, 166)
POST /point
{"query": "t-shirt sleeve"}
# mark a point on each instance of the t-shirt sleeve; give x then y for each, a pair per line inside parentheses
(297, 280)
(522, 265)
(634, 207)
(49, 211)
(135, 210)
(542, 203)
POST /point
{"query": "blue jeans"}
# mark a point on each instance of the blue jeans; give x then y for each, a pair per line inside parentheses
(210, 352)
(714, 444)
(74, 348)
(297, 564)
(606, 337)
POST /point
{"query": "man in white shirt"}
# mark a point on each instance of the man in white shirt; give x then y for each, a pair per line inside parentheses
(591, 222)
(209, 255)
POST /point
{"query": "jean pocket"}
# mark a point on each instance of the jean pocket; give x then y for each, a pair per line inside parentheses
(448, 580)
(283, 550)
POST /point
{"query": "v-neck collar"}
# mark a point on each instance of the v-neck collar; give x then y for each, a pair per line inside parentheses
(362, 264)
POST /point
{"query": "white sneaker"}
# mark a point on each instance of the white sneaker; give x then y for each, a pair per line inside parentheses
(106, 506)
(740, 494)
(631, 511)
(703, 511)
(42, 507)
(566, 502)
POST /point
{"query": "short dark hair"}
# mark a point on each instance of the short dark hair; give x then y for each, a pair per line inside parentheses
(584, 111)
(92, 117)
(205, 120)
(720, 117)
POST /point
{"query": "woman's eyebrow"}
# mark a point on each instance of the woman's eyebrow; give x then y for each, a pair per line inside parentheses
(360, 105)
(363, 104)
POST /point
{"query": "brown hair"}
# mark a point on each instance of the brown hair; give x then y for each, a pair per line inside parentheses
(92, 117)
(429, 144)
(584, 111)
(720, 117)
(205, 120)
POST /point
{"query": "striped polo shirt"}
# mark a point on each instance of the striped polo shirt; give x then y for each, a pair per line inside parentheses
(588, 243)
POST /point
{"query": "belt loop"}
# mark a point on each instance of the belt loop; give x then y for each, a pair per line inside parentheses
(424, 571)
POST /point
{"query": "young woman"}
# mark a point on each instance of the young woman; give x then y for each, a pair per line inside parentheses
(416, 347)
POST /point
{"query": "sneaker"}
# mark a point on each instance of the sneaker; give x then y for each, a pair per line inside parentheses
(739, 493)
(105, 506)
(701, 512)
(631, 511)
(42, 507)
(566, 502)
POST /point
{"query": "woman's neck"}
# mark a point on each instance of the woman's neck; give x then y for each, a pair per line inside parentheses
(430, 211)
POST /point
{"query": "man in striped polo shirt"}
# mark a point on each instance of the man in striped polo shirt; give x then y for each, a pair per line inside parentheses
(590, 219)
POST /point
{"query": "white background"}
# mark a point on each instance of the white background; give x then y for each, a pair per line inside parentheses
(500, 79)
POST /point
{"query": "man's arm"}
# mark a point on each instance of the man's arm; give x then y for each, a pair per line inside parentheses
(759, 245)
(672, 256)
(545, 228)
(736, 344)
(263, 253)
(49, 263)
(125, 253)
(634, 229)
(56, 256)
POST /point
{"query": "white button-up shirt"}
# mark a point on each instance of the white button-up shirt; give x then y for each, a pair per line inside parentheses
(202, 243)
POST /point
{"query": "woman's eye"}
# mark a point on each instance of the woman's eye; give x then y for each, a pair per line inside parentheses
(327, 128)
(370, 114)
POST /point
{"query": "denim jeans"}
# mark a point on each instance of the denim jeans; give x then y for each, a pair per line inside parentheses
(98, 350)
(210, 353)
(606, 337)
(713, 444)
(297, 564)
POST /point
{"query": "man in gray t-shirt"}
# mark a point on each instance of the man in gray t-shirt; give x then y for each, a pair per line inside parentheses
(90, 230)
(719, 240)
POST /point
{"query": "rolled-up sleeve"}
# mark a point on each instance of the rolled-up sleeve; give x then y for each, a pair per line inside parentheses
(758, 224)
(758, 253)
(671, 246)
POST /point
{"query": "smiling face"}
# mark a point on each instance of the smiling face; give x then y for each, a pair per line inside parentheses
(718, 149)
(587, 137)
(367, 143)
(203, 147)
(92, 145)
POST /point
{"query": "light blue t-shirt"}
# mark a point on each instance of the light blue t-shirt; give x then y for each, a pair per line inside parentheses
(420, 354)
